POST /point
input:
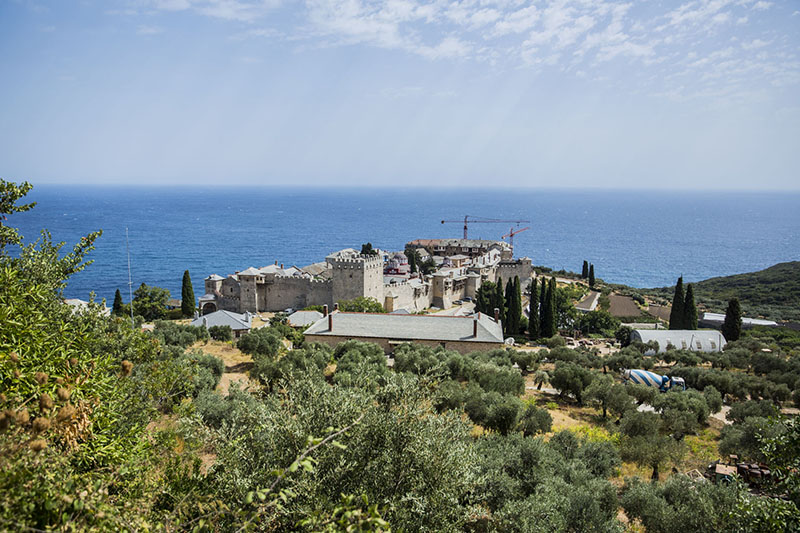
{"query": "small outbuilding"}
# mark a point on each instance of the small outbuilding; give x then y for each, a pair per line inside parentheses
(695, 340)
(239, 323)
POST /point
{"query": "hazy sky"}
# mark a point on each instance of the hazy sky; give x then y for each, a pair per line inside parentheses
(701, 94)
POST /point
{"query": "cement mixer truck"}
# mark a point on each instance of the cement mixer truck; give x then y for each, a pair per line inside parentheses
(651, 379)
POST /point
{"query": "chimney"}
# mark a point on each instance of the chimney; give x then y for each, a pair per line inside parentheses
(330, 322)
(336, 306)
(325, 310)
(496, 314)
(276, 262)
(475, 328)
(281, 266)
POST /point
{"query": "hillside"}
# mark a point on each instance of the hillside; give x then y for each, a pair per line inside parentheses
(771, 293)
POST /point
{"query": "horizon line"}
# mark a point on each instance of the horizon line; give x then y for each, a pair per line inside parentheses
(381, 187)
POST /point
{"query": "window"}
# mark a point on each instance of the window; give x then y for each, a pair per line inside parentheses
(713, 345)
(699, 345)
(683, 344)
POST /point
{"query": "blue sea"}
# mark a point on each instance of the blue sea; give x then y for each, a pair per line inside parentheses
(644, 239)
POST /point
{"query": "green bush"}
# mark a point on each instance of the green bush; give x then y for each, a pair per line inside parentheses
(221, 333)
(535, 420)
(264, 342)
(172, 334)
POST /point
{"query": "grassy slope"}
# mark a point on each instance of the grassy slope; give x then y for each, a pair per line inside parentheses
(772, 293)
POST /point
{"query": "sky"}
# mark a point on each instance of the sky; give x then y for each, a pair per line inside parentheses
(703, 94)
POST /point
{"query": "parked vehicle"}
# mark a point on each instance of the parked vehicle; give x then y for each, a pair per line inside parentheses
(651, 379)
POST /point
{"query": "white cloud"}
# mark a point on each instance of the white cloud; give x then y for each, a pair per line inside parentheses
(517, 21)
(235, 10)
(149, 30)
(665, 43)
(754, 44)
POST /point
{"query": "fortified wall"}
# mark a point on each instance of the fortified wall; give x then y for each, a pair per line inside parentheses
(522, 267)
(349, 275)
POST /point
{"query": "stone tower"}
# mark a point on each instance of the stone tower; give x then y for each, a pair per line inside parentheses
(355, 275)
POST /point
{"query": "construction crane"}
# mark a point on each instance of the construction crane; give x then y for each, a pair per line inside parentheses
(513, 232)
(469, 219)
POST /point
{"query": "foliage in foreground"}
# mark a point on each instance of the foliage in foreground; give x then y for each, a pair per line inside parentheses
(106, 427)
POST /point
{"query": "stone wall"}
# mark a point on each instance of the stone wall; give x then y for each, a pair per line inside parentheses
(520, 267)
(279, 293)
(407, 296)
(229, 299)
(362, 276)
(248, 293)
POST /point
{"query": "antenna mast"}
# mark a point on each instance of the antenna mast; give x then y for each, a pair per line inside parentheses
(130, 282)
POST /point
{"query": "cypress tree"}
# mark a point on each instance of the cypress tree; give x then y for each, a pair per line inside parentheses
(585, 271)
(508, 323)
(517, 306)
(187, 295)
(689, 309)
(732, 327)
(548, 325)
(117, 307)
(551, 307)
(499, 301)
(533, 320)
(591, 275)
(411, 255)
(676, 313)
(542, 305)
(484, 298)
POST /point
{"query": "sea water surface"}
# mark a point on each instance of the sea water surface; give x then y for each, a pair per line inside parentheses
(644, 239)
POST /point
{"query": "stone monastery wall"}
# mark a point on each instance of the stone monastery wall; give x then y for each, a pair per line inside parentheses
(294, 292)
(350, 278)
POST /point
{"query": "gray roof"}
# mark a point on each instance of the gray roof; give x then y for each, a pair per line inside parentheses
(224, 318)
(719, 318)
(410, 327)
(275, 269)
(250, 272)
(471, 243)
(682, 339)
(215, 277)
(303, 318)
(315, 269)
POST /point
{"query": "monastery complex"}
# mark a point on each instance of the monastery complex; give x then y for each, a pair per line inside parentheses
(461, 266)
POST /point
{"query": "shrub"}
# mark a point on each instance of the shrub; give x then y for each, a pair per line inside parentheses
(504, 414)
(221, 333)
(261, 342)
(503, 380)
(173, 334)
(535, 420)
(751, 408)
(554, 341)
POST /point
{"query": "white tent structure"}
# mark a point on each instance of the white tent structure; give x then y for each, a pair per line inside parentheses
(695, 340)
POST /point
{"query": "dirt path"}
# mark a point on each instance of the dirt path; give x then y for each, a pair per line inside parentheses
(237, 364)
